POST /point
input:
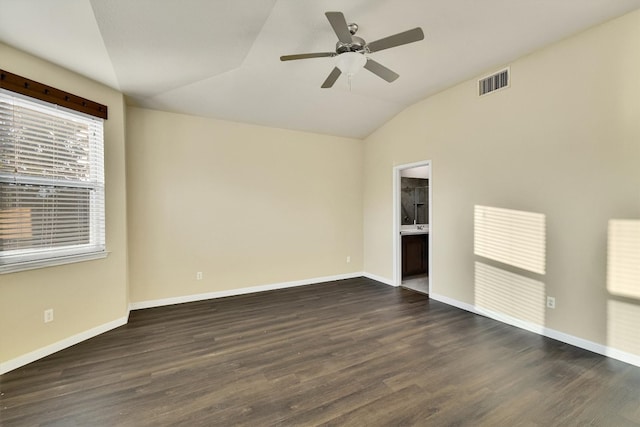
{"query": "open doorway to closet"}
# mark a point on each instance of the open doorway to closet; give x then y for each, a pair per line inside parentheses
(412, 225)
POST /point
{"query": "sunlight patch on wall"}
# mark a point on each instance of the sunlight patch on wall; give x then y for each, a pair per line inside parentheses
(623, 258)
(622, 326)
(508, 293)
(516, 238)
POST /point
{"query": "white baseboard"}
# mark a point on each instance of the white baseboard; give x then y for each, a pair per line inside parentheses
(541, 330)
(604, 350)
(239, 291)
(379, 279)
(25, 359)
(75, 339)
(453, 302)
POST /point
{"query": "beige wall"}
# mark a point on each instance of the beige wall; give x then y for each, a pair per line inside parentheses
(249, 205)
(564, 141)
(245, 205)
(83, 295)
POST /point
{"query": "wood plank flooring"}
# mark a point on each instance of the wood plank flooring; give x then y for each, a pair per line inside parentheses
(351, 352)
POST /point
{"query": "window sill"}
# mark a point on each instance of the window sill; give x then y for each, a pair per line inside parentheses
(51, 262)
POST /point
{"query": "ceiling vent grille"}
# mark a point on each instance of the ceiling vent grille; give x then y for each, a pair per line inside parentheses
(494, 82)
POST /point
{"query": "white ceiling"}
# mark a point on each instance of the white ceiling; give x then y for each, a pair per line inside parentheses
(220, 58)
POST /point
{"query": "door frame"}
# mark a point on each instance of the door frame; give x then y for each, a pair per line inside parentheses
(397, 214)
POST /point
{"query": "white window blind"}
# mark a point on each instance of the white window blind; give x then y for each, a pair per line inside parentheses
(51, 184)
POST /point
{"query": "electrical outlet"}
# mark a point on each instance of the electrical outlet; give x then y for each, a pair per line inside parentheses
(551, 302)
(199, 275)
(48, 315)
(348, 259)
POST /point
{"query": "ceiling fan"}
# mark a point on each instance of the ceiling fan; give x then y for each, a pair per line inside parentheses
(351, 50)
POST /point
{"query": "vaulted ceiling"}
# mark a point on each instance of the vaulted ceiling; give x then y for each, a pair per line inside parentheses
(220, 58)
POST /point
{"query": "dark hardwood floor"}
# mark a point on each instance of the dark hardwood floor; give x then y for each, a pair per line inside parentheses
(352, 352)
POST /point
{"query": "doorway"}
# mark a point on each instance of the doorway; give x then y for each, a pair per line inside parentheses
(412, 226)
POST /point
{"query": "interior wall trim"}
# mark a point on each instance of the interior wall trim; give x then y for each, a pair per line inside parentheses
(379, 279)
(594, 347)
(604, 350)
(43, 92)
(25, 359)
(239, 291)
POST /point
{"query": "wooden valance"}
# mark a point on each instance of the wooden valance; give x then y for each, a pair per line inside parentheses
(25, 86)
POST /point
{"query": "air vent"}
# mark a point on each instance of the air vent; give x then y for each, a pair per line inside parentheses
(493, 82)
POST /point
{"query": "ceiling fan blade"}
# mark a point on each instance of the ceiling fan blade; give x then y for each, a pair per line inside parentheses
(339, 25)
(307, 56)
(333, 76)
(399, 39)
(380, 70)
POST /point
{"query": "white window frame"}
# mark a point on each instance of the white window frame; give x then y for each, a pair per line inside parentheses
(14, 260)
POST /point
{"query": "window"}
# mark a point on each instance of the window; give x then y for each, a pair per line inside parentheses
(51, 184)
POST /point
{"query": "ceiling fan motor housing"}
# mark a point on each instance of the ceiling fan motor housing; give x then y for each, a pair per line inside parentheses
(357, 45)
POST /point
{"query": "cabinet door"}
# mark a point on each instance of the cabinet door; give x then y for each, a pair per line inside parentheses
(414, 255)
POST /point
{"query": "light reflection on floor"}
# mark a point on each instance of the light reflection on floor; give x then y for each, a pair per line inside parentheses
(417, 283)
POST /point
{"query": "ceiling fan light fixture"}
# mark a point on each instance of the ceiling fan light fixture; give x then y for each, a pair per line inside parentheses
(350, 62)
